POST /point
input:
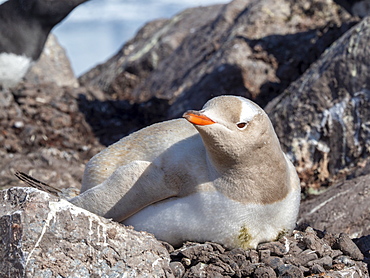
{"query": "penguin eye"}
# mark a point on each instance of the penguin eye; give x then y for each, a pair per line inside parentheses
(241, 125)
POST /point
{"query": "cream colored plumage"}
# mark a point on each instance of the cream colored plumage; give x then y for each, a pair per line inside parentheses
(218, 176)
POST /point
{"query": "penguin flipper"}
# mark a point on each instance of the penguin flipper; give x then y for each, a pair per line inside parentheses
(129, 189)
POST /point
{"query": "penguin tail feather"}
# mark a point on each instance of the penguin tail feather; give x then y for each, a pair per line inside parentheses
(30, 181)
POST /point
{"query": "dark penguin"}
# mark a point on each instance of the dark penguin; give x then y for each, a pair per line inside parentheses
(24, 28)
(360, 8)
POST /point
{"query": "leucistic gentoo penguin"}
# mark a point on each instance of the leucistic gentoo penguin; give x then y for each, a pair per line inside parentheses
(218, 175)
(24, 28)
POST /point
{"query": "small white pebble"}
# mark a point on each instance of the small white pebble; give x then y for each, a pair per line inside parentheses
(18, 124)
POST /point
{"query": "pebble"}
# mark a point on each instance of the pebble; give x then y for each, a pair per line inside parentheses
(178, 269)
(348, 247)
(289, 271)
(264, 271)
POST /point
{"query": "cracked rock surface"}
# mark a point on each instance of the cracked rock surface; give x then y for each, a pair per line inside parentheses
(42, 236)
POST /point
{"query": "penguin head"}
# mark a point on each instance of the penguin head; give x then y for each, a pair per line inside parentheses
(48, 12)
(233, 129)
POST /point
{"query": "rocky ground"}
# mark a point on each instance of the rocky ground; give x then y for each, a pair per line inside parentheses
(43, 236)
(305, 62)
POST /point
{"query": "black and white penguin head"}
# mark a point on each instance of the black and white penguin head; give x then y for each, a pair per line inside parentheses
(233, 128)
(49, 12)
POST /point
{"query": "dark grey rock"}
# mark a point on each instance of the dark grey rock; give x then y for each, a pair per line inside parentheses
(239, 256)
(273, 262)
(348, 247)
(321, 118)
(276, 248)
(317, 269)
(306, 256)
(216, 271)
(326, 262)
(264, 272)
(289, 271)
(194, 251)
(312, 241)
(248, 269)
(144, 53)
(229, 265)
(304, 269)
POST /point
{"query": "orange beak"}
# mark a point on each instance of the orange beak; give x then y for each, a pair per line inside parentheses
(197, 119)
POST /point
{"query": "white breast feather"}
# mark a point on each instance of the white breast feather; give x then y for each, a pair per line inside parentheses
(210, 215)
(13, 68)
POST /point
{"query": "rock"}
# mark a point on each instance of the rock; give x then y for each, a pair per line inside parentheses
(253, 254)
(344, 260)
(317, 269)
(53, 66)
(178, 269)
(276, 248)
(289, 271)
(264, 272)
(197, 271)
(326, 262)
(306, 256)
(264, 253)
(250, 48)
(322, 118)
(313, 242)
(348, 247)
(273, 262)
(45, 237)
(342, 208)
(44, 134)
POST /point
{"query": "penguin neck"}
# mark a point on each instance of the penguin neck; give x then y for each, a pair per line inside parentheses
(30, 36)
(258, 176)
(258, 156)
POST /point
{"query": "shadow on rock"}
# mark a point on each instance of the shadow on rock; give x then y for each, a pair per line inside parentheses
(222, 80)
(291, 55)
(111, 120)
